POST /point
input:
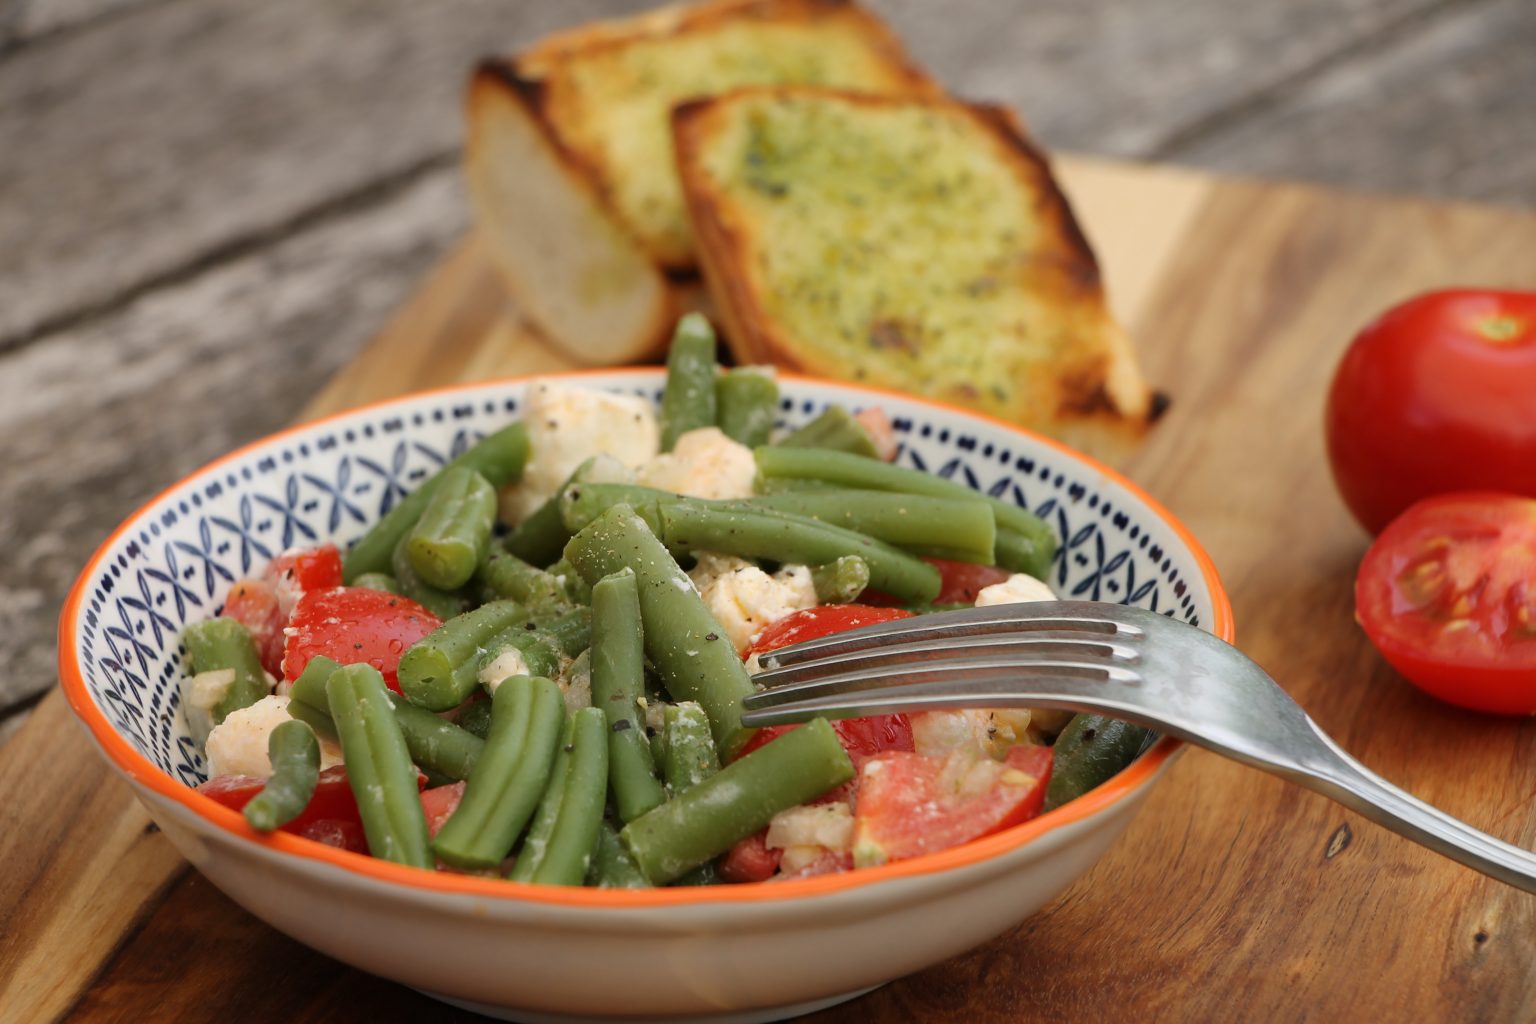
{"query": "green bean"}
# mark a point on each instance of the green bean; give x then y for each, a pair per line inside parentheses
(441, 669)
(688, 402)
(509, 777)
(503, 575)
(560, 852)
(737, 529)
(295, 756)
(687, 646)
(539, 654)
(690, 755)
(960, 530)
(379, 767)
(222, 643)
(377, 581)
(541, 537)
(581, 506)
(445, 604)
(840, 581)
(703, 822)
(618, 681)
(454, 531)
(872, 474)
(612, 866)
(499, 458)
(746, 401)
(1089, 751)
(475, 717)
(436, 744)
(576, 589)
(834, 429)
(307, 700)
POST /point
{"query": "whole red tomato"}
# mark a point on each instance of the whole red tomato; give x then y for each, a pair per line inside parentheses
(1437, 395)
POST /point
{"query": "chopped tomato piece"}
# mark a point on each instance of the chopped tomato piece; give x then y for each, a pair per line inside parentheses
(912, 804)
(344, 835)
(297, 571)
(439, 804)
(750, 860)
(878, 426)
(823, 620)
(352, 625)
(254, 604)
(960, 582)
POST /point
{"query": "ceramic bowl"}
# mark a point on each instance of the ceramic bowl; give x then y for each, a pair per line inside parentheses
(548, 953)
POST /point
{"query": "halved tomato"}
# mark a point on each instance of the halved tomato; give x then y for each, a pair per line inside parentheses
(1447, 593)
(912, 804)
(352, 625)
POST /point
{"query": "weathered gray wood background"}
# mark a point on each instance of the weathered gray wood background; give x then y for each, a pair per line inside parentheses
(206, 206)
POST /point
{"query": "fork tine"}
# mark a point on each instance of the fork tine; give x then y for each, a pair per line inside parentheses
(965, 624)
(922, 651)
(970, 673)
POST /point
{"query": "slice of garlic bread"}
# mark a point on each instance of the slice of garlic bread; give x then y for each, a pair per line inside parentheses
(918, 244)
(606, 90)
(580, 277)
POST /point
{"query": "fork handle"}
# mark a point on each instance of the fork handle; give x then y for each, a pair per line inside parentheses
(1352, 784)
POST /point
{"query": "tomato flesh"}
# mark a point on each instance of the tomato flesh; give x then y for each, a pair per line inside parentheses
(823, 620)
(333, 799)
(254, 604)
(1436, 396)
(912, 804)
(1447, 593)
(352, 625)
(960, 582)
(307, 568)
(439, 803)
(750, 860)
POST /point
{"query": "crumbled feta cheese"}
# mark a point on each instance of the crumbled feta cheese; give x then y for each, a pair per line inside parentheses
(238, 745)
(568, 425)
(703, 464)
(1016, 589)
(825, 826)
(990, 730)
(202, 695)
(744, 599)
(505, 665)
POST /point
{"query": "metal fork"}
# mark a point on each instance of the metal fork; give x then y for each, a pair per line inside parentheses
(1115, 660)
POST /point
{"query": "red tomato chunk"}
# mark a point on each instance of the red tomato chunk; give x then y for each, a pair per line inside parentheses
(352, 625)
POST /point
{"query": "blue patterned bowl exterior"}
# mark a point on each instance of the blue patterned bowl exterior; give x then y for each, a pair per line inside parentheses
(175, 561)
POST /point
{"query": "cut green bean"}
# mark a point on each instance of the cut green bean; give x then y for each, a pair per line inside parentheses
(703, 822)
(445, 604)
(576, 589)
(1090, 750)
(504, 576)
(499, 458)
(222, 643)
(453, 534)
(509, 777)
(738, 529)
(475, 717)
(777, 462)
(439, 671)
(612, 866)
(307, 700)
(618, 682)
(690, 755)
(541, 537)
(295, 756)
(561, 852)
(958, 529)
(379, 767)
(689, 649)
(840, 581)
(688, 402)
(835, 429)
(582, 505)
(436, 744)
(377, 581)
(746, 401)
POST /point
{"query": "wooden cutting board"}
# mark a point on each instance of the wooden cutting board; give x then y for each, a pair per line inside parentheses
(1233, 896)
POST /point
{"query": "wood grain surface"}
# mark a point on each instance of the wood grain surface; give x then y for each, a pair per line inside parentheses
(1232, 897)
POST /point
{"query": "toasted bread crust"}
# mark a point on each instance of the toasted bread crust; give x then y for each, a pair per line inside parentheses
(1088, 392)
(503, 110)
(585, 73)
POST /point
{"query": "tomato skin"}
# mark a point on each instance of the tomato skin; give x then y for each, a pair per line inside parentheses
(351, 625)
(439, 803)
(750, 860)
(333, 799)
(307, 568)
(823, 620)
(960, 582)
(1437, 395)
(254, 604)
(1447, 594)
